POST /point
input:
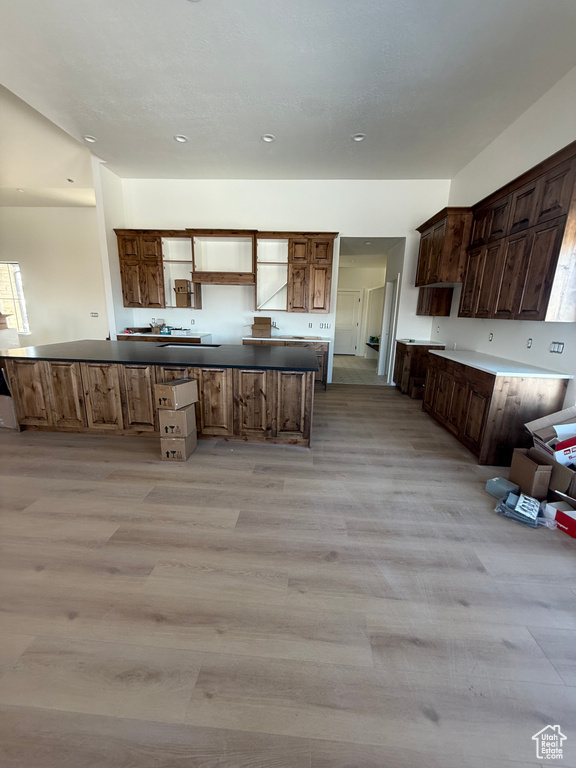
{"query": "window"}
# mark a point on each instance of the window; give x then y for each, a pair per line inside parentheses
(12, 297)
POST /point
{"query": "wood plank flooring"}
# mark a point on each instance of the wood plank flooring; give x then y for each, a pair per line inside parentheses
(356, 605)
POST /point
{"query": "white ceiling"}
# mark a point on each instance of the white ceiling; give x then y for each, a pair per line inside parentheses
(430, 82)
(360, 252)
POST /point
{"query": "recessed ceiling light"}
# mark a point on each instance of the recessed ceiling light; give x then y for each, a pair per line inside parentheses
(268, 138)
(180, 138)
(367, 242)
(20, 190)
(90, 139)
(358, 137)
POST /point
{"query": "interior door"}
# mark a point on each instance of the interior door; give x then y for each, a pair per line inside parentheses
(347, 322)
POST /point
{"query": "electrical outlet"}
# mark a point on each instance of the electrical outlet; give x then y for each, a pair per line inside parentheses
(93, 314)
(327, 325)
(557, 347)
(437, 329)
(490, 336)
(529, 343)
(309, 325)
(192, 322)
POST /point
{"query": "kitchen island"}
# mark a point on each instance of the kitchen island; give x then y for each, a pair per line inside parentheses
(260, 394)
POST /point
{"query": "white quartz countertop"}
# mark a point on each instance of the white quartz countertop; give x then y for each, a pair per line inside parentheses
(288, 338)
(498, 366)
(420, 343)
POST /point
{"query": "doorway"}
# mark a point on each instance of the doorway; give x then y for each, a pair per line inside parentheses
(360, 308)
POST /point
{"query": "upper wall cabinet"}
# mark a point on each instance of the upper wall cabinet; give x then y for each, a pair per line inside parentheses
(521, 264)
(141, 269)
(443, 243)
(292, 271)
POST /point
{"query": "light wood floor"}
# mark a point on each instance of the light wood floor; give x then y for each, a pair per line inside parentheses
(357, 605)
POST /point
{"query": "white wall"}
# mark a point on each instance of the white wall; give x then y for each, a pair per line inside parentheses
(110, 207)
(352, 208)
(547, 126)
(57, 249)
(357, 278)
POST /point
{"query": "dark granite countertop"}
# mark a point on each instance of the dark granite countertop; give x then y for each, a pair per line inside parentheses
(224, 356)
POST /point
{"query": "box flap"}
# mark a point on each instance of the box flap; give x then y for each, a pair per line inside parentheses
(545, 427)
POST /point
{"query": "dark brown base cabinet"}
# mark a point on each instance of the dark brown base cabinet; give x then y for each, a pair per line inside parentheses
(411, 362)
(112, 398)
(319, 347)
(485, 412)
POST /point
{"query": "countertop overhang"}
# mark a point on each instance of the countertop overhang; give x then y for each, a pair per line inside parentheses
(498, 366)
(196, 355)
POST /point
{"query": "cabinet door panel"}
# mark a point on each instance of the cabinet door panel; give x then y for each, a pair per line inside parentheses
(131, 279)
(438, 237)
(524, 207)
(490, 268)
(498, 219)
(544, 250)
(424, 257)
(320, 374)
(129, 246)
(480, 225)
(297, 288)
(137, 388)
(477, 407)
(292, 418)
(101, 383)
(152, 283)
(30, 388)
(151, 248)
(320, 280)
(298, 251)
(515, 259)
(457, 406)
(444, 386)
(468, 297)
(430, 385)
(254, 411)
(66, 395)
(321, 251)
(556, 192)
(216, 406)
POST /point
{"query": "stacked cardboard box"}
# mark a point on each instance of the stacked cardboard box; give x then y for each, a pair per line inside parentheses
(176, 403)
(262, 327)
(183, 290)
(548, 470)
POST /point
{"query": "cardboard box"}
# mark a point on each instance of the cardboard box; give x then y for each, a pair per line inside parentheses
(564, 513)
(183, 299)
(178, 448)
(183, 286)
(262, 327)
(562, 479)
(178, 423)
(174, 395)
(261, 331)
(550, 431)
(531, 472)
